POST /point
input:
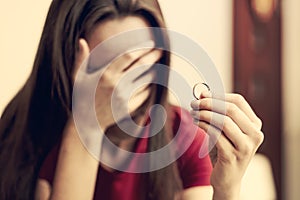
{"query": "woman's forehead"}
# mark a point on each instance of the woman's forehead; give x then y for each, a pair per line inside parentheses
(115, 26)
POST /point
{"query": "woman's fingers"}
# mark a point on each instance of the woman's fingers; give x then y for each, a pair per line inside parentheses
(146, 61)
(224, 123)
(81, 55)
(213, 132)
(128, 85)
(124, 62)
(138, 98)
(224, 146)
(84, 50)
(231, 116)
(240, 102)
(223, 108)
(140, 61)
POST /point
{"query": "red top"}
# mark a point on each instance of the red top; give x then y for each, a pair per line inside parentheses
(194, 171)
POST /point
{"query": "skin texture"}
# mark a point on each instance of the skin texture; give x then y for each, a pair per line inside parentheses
(240, 135)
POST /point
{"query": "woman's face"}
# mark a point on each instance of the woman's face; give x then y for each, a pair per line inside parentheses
(105, 30)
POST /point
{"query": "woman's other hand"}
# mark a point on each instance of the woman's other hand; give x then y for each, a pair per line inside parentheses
(237, 130)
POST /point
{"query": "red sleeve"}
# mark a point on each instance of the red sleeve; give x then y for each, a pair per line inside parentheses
(47, 170)
(194, 171)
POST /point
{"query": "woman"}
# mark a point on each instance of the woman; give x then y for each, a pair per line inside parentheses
(41, 155)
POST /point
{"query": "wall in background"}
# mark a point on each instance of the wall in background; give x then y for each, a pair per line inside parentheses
(21, 25)
(209, 24)
(291, 96)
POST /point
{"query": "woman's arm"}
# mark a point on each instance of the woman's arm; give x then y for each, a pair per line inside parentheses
(76, 170)
(196, 193)
(75, 174)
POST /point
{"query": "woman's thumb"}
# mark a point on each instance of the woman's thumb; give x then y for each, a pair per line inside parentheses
(81, 54)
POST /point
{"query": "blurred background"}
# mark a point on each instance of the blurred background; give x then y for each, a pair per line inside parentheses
(255, 45)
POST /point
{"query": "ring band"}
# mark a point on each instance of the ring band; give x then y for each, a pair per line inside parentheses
(194, 89)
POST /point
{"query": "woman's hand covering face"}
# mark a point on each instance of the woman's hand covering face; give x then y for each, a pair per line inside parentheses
(129, 75)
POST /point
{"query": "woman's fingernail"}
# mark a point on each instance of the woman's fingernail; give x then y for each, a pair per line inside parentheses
(195, 121)
(206, 94)
(192, 112)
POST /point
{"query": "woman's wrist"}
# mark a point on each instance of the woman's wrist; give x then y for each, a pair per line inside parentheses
(229, 193)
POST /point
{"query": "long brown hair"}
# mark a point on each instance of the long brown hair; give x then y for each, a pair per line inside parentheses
(33, 121)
